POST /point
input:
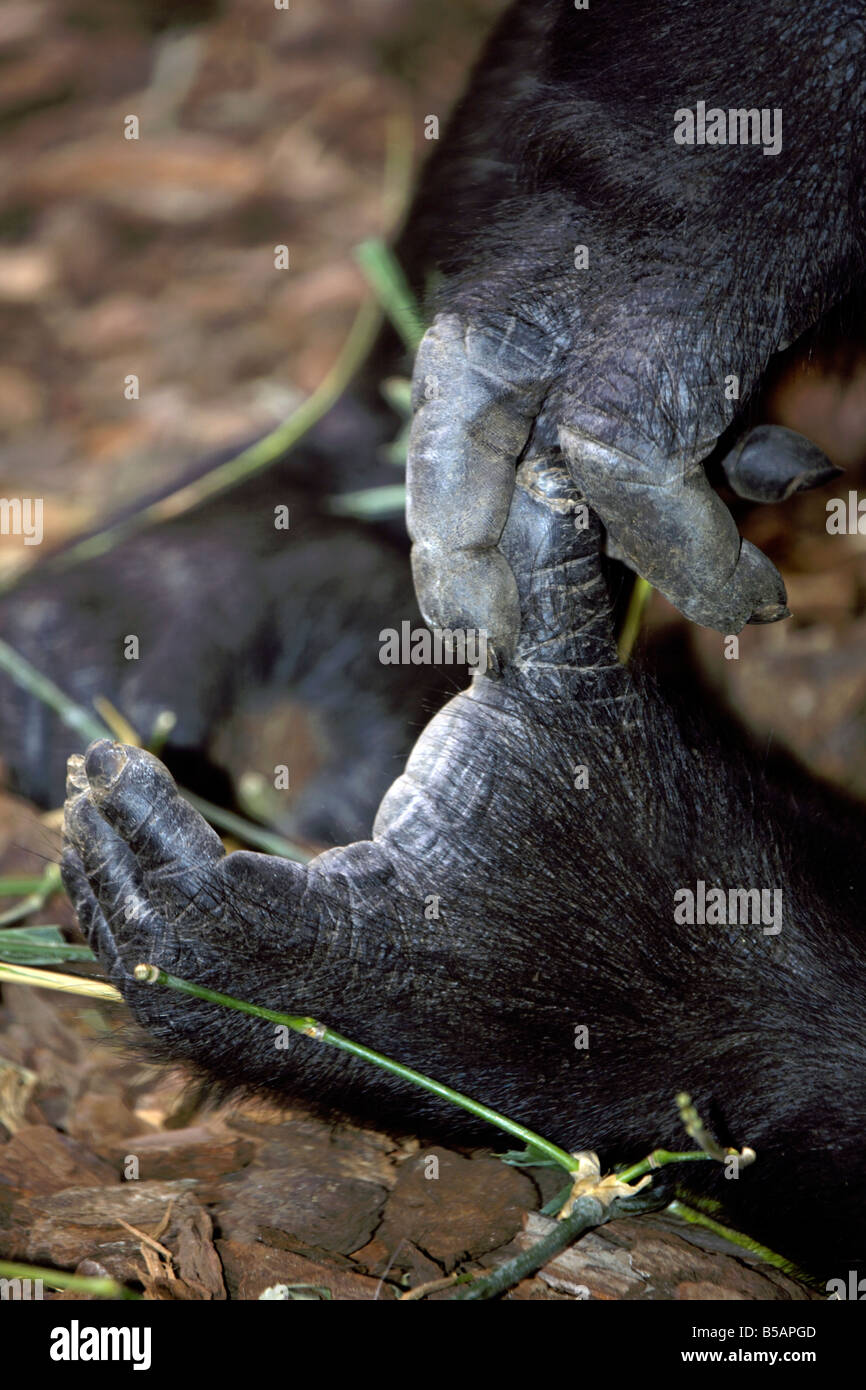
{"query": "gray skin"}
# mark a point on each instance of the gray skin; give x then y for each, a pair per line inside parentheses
(346, 937)
(704, 261)
(553, 908)
(674, 526)
(150, 880)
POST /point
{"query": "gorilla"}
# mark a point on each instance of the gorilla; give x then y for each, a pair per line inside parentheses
(633, 211)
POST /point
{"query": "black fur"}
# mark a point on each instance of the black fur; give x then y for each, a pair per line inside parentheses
(703, 262)
(556, 904)
(554, 908)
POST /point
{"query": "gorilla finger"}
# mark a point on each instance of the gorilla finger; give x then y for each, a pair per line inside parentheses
(476, 392)
(553, 544)
(678, 534)
(139, 799)
(110, 867)
(91, 918)
(771, 462)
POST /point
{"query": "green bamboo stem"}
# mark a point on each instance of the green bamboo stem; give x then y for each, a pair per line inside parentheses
(73, 715)
(696, 1217)
(48, 884)
(266, 840)
(383, 272)
(319, 1032)
(640, 596)
(659, 1158)
(385, 276)
(368, 503)
(246, 464)
(569, 1228)
(13, 887)
(100, 1286)
(588, 1213)
(42, 945)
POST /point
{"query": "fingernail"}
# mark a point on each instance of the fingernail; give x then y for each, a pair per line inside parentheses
(773, 613)
(104, 762)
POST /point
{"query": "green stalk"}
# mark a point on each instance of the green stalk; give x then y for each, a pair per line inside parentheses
(385, 276)
(311, 1028)
(250, 461)
(266, 840)
(383, 272)
(585, 1216)
(588, 1212)
(73, 715)
(696, 1217)
(48, 884)
(659, 1158)
(14, 887)
(101, 1286)
(369, 503)
(640, 596)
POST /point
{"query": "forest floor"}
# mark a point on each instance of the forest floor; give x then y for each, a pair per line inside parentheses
(154, 265)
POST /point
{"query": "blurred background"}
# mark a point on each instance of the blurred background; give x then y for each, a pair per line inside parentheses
(156, 258)
(258, 126)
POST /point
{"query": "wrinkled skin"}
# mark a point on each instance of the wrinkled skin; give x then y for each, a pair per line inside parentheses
(703, 261)
(555, 904)
(552, 907)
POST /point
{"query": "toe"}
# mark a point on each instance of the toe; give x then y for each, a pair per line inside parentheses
(107, 863)
(676, 532)
(139, 799)
(90, 916)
